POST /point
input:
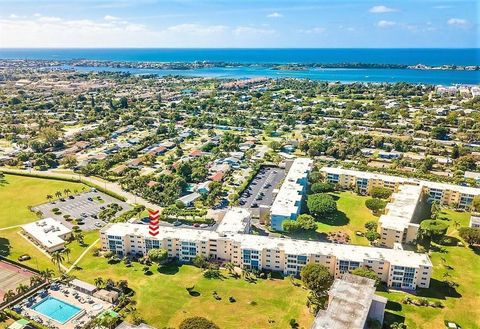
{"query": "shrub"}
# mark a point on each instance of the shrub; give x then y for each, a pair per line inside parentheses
(367, 273)
(470, 235)
(322, 187)
(200, 261)
(212, 274)
(375, 205)
(380, 193)
(197, 322)
(371, 225)
(433, 229)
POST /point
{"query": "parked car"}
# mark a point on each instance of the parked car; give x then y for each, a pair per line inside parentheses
(177, 223)
(24, 257)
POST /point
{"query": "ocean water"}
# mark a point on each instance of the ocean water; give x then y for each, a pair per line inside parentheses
(428, 56)
(384, 56)
(436, 77)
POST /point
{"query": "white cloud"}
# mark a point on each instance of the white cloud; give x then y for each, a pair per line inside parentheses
(385, 24)
(249, 30)
(49, 19)
(457, 22)
(45, 31)
(13, 16)
(315, 30)
(381, 9)
(274, 15)
(197, 29)
(111, 18)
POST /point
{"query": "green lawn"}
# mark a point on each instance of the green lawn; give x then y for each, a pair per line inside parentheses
(19, 192)
(461, 305)
(351, 216)
(13, 245)
(163, 301)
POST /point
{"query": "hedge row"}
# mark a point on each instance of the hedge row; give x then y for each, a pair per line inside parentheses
(14, 315)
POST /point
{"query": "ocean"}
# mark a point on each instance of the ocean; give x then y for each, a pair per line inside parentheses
(432, 57)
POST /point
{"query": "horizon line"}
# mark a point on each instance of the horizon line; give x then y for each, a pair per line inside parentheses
(228, 48)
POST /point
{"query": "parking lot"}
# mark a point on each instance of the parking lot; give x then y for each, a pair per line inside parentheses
(85, 206)
(260, 190)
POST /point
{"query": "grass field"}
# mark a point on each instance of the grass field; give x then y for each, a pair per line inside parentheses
(19, 192)
(276, 299)
(13, 245)
(462, 304)
(351, 216)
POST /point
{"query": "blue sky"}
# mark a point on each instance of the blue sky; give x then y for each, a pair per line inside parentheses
(247, 23)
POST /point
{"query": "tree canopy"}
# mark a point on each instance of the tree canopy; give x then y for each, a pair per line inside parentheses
(321, 204)
(317, 278)
(197, 322)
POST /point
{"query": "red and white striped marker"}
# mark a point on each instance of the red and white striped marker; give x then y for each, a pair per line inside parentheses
(154, 224)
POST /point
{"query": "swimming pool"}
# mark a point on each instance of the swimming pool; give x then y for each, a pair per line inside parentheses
(56, 309)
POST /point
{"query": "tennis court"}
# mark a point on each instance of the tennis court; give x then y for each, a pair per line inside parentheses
(11, 276)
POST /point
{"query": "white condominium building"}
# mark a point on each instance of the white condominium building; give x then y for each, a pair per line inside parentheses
(396, 224)
(446, 194)
(288, 201)
(398, 268)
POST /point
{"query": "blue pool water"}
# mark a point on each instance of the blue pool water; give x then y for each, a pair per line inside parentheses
(56, 309)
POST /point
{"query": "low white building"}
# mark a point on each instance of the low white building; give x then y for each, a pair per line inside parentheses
(475, 222)
(48, 233)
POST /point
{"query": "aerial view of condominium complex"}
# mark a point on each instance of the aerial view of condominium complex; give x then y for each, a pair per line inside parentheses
(216, 164)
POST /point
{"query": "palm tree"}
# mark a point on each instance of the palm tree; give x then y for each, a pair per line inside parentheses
(22, 288)
(9, 295)
(99, 282)
(80, 238)
(47, 274)
(66, 251)
(58, 194)
(110, 283)
(435, 209)
(230, 267)
(34, 280)
(109, 321)
(57, 259)
(456, 224)
(49, 197)
(67, 191)
(398, 325)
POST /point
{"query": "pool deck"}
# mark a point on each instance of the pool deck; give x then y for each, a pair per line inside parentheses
(88, 310)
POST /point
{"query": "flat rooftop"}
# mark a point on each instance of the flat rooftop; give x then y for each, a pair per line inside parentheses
(349, 304)
(236, 220)
(289, 196)
(400, 212)
(47, 231)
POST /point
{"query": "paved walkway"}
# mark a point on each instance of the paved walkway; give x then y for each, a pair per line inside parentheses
(9, 227)
(114, 187)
